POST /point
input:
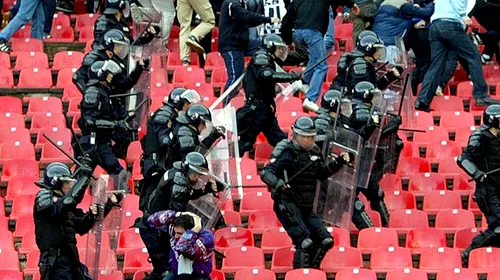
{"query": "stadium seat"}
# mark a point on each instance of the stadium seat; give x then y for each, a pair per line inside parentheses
(417, 240)
(44, 105)
(86, 34)
(23, 185)
(451, 121)
(24, 224)
(28, 45)
(107, 258)
(188, 75)
(4, 221)
(455, 219)
(61, 34)
(9, 260)
(463, 237)
(282, 259)
(389, 258)
(442, 150)
(409, 166)
(410, 150)
(406, 273)
(422, 183)
(82, 240)
(6, 242)
(239, 258)
(404, 220)
(254, 273)
(67, 59)
(61, 19)
(9, 120)
(22, 205)
(12, 105)
(6, 78)
(231, 218)
(134, 152)
(305, 274)
(434, 260)
(214, 60)
(447, 103)
(286, 119)
(11, 274)
(332, 73)
(448, 167)
(254, 201)
(259, 221)
(232, 237)
(462, 134)
(432, 134)
(30, 78)
(355, 274)
(343, 31)
(50, 153)
(424, 120)
(441, 200)
(85, 20)
(173, 45)
(55, 133)
(372, 238)
(219, 77)
(65, 77)
(15, 134)
(462, 185)
(204, 89)
(31, 263)
(457, 274)
(341, 236)
(28, 244)
(174, 61)
(135, 260)
(129, 239)
(27, 60)
(494, 275)
(217, 275)
(16, 150)
(339, 258)
(484, 260)
(130, 202)
(275, 238)
(47, 120)
(129, 217)
(23, 32)
(74, 106)
(289, 104)
(158, 75)
(4, 60)
(70, 91)
(15, 168)
(399, 200)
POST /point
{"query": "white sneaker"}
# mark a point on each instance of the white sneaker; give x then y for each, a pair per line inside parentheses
(309, 105)
(439, 91)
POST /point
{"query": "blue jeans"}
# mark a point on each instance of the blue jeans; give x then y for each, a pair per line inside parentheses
(235, 66)
(313, 41)
(29, 10)
(447, 37)
(49, 8)
(330, 33)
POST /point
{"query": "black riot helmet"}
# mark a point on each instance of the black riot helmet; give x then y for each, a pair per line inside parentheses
(491, 116)
(195, 162)
(364, 91)
(179, 96)
(115, 41)
(117, 6)
(304, 126)
(198, 114)
(56, 174)
(331, 100)
(370, 45)
(100, 70)
(275, 45)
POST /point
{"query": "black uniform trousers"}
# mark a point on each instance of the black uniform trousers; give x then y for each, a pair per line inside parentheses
(101, 153)
(61, 265)
(158, 244)
(488, 201)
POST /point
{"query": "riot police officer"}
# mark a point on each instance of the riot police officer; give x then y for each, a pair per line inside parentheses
(258, 114)
(481, 156)
(330, 112)
(177, 187)
(97, 121)
(294, 197)
(57, 220)
(155, 143)
(185, 137)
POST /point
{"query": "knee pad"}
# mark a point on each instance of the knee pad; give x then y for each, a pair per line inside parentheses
(307, 244)
(327, 243)
(359, 205)
(381, 194)
(497, 230)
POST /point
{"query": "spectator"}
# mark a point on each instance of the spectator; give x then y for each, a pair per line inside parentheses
(364, 19)
(394, 19)
(28, 10)
(234, 42)
(192, 246)
(49, 8)
(447, 34)
(330, 32)
(191, 38)
(488, 15)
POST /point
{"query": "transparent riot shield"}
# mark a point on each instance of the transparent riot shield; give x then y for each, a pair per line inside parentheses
(157, 12)
(335, 197)
(96, 259)
(208, 207)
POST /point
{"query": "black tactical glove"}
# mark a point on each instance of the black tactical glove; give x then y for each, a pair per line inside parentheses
(115, 202)
(280, 187)
(85, 160)
(146, 62)
(480, 176)
(394, 73)
(296, 75)
(122, 124)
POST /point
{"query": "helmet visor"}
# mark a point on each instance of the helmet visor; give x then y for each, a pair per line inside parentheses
(380, 53)
(111, 67)
(126, 9)
(304, 132)
(198, 170)
(191, 95)
(121, 49)
(281, 52)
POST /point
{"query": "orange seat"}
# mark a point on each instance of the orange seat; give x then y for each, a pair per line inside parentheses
(434, 260)
(339, 258)
(389, 258)
(232, 237)
(422, 183)
(441, 200)
(254, 273)
(399, 200)
(239, 258)
(404, 220)
(27, 60)
(305, 274)
(275, 238)
(370, 239)
(417, 240)
(457, 274)
(35, 78)
(67, 59)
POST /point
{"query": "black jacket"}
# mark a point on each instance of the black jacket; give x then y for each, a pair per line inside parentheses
(234, 22)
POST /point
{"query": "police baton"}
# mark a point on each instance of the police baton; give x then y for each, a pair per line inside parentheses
(78, 163)
(317, 63)
(287, 181)
(131, 113)
(487, 173)
(73, 134)
(227, 92)
(122, 95)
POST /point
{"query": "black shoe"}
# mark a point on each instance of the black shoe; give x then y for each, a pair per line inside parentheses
(195, 45)
(486, 101)
(4, 47)
(476, 39)
(420, 106)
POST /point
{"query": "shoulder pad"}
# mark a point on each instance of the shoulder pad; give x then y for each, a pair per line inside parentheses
(91, 95)
(180, 179)
(163, 117)
(186, 131)
(182, 119)
(187, 138)
(90, 58)
(43, 200)
(475, 137)
(261, 58)
(101, 24)
(181, 185)
(359, 67)
(279, 148)
(322, 123)
(344, 61)
(361, 113)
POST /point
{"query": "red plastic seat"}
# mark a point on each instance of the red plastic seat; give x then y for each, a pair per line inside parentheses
(262, 152)
(65, 77)
(6, 78)
(463, 237)
(332, 73)
(174, 61)
(339, 258)
(9, 260)
(107, 258)
(259, 221)
(35, 78)
(16, 150)
(417, 240)
(44, 104)
(455, 219)
(217, 275)
(432, 134)
(464, 90)
(410, 150)
(28, 244)
(462, 134)
(51, 154)
(47, 120)
(282, 259)
(390, 183)
(254, 201)
(449, 168)
(343, 31)
(434, 260)
(15, 134)
(6, 242)
(405, 220)
(232, 237)
(424, 120)
(23, 32)
(441, 200)
(219, 77)
(356, 274)
(286, 119)
(399, 200)
(70, 91)
(214, 60)
(239, 258)
(188, 75)
(67, 59)
(452, 121)
(457, 274)
(82, 240)
(16, 168)
(9, 120)
(129, 239)
(289, 104)
(370, 239)
(129, 217)
(27, 60)
(4, 60)
(9, 104)
(85, 20)
(494, 274)
(484, 260)
(10, 274)
(55, 133)
(173, 45)
(442, 150)
(462, 185)
(406, 273)
(22, 205)
(409, 166)
(158, 75)
(61, 19)
(305, 274)
(61, 34)
(130, 202)
(32, 263)
(231, 218)
(19, 186)
(386, 259)
(74, 106)
(24, 224)
(422, 183)
(341, 237)
(204, 89)
(86, 34)
(28, 45)
(134, 152)
(447, 103)
(275, 238)
(254, 273)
